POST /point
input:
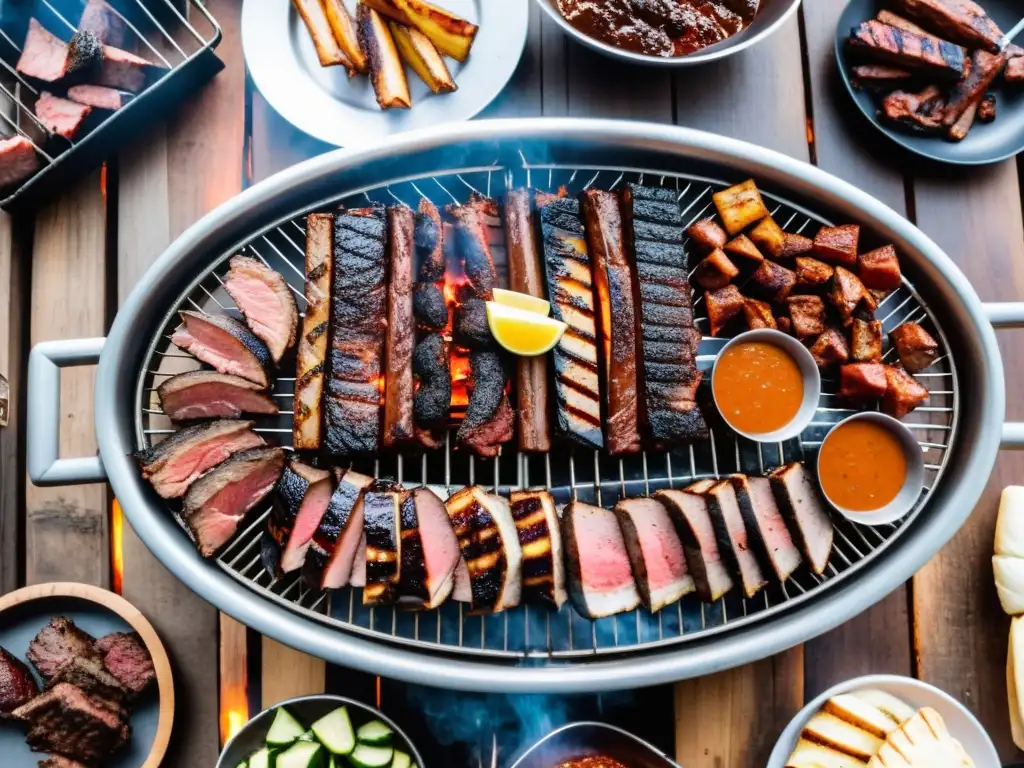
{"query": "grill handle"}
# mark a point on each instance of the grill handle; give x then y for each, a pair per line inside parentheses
(45, 467)
(1008, 315)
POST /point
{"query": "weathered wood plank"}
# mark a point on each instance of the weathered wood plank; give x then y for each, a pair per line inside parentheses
(66, 533)
(288, 673)
(234, 677)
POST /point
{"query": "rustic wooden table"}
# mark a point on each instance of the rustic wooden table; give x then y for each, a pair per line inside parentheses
(64, 272)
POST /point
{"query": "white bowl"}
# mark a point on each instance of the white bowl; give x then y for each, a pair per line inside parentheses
(912, 485)
(808, 370)
(962, 725)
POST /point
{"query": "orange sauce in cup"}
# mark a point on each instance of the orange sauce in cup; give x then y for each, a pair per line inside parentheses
(758, 387)
(862, 466)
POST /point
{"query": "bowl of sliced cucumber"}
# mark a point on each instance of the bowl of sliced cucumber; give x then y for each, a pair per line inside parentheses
(320, 732)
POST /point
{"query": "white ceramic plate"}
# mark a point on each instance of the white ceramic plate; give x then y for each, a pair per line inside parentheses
(326, 104)
(962, 725)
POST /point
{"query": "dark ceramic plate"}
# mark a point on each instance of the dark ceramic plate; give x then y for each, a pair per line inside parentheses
(307, 710)
(580, 740)
(985, 143)
(98, 612)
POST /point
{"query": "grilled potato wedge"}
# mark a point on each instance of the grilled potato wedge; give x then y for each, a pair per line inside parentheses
(739, 206)
(389, 9)
(420, 54)
(386, 71)
(451, 35)
(327, 48)
(345, 34)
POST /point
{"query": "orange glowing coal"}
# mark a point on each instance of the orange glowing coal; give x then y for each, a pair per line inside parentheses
(117, 546)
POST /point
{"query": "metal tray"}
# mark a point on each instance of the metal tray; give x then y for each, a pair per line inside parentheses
(579, 740)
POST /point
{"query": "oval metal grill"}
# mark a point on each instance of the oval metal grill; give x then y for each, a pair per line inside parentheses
(529, 633)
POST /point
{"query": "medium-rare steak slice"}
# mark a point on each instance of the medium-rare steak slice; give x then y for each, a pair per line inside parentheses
(67, 721)
(211, 395)
(300, 502)
(655, 552)
(930, 55)
(99, 96)
(765, 526)
(430, 551)
(401, 329)
(733, 539)
(540, 537)
(216, 503)
(18, 160)
(689, 513)
(382, 521)
(17, 686)
(803, 509)
(329, 559)
(225, 344)
(960, 21)
(89, 674)
(600, 577)
(172, 465)
(307, 423)
(490, 547)
(44, 55)
(56, 644)
(125, 656)
(104, 22)
(266, 302)
(125, 71)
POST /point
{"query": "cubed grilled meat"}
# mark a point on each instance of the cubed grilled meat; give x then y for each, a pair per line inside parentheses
(794, 245)
(969, 91)
(772, 282)
(960, 21)
(174, 464)
(847, 294)
(597, 564)
(104, 22)
(838, 245)
(807, 313)
(382, 519)
(861, 382)
(43, 55)
(1015, 70)
(707, 234)
(920, 111)
(124, 71)
(126, 657)
(18, 160)
(759, 314)
(67, 721)
(300, 501)
(903, 392)
(689, 513)
(225, 344)
(570, 288)
(732, 537)
(358, 319)
(307, 422)
(89, 674)
(430, 551)
(987, 110)
(17, 686)
(915, 346)
(60, 116)
(880, 269)
(766, 529)
(211, 395)
(866, 341)
(715, 271)
(56, 644)
(613, 279)
(803, 509)
(812, 274)
(540, 538)
(920, 53)
(768, 238)
(723, 305)
(265, 301)
(743, 247)
(401, 330)
(655, 552)
(830, 348)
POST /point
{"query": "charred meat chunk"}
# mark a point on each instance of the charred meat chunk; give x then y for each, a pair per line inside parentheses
(489, 542)
(744, 247)
(847, 294)
(961, 21)
(474, 249)
(758, 314)
(987, 108)
(921, 111)
(429, 306)
(970, 90)
(18, 160)
(880, 269)
(917, 349)
(67, 720)
(1015, 70)
(471, 328)
(225, 344)
(860, 382)
(794, 245)
(903, 394)
(432, 399)
(56, 644)
(715, 271)
(772, 282)
(928, 54)
(769, 238)
(838, 245)
(400, 337)
(830, 348)
(429, 240)
(211, 395)
(707, 234)
(125, 656)
(811, 273)
(807, 314)
(89, 674)
(866, 338)
(17, 686)
(723, 305)
(540, 537)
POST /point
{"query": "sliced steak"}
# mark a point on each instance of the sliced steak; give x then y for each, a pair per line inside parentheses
(225, 344)
(211, 395)
(18, 160)
(430, 584)
(17, 686)
(382, 521)
(329, 559)
(172, 465)
(540, 537)
(44, 55)
(655, 552)
(89, 674)
(125, 656)
(307, 422)
(125, 71)
(56, 644)
(265, 301)
(689, 513)
(67, 721)
(216, 503)
(919, 53)
(960, 21)
(732, 536)
(300, 502)
(765, 526)
(600, 578)
(104, 22)
(803, 509)
(99, 96)
(61, 116)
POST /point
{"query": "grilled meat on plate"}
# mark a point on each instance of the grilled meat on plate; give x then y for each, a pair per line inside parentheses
(382, 512)
(44, 55)
(211, 395)
(655, 552)
(18, 160)
(733, 539)
(613, 279)
(489, 420)
(917, 349)
(89, 674)
(174, 464)
(765, 527)
(799, 500)
(225, 344)
(67, 721)
(312, 355)
(969, 91)
(921, 53)
(216, 503)
(56, 644)
(62, 117)
(104, 22)
(17, 686)
(266, 302)
(401, 330)
(689, 513)
(300, 502)
(921, 111)
(125, 656)
(540, 538)
(358, 307)
(960, 21)
(570, 288)
(600, 579)
(329, 559)
(430, 551)
(490, 547)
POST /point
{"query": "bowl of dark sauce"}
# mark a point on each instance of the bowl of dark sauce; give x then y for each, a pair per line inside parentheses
(669, 33)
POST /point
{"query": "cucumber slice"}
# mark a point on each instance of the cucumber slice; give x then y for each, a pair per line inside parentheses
(243, 764)
(260, 759)
(369, 756)
(308, 736)
(401, 760)
(374, 732)
(284, 730)
(301, 754)
(334, 731)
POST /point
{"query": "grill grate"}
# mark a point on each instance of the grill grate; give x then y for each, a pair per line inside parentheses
(530, 634)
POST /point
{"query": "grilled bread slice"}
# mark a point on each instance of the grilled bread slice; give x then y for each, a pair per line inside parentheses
(809, 754)
(892, 707)
(921, 742)
(825, 728)
(859, 713)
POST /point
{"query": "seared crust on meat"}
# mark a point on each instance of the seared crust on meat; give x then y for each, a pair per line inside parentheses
(926, 53)
(917, 349)
(401, 331)
(830, 348)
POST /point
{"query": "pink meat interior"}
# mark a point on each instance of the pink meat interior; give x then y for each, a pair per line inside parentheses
(314, 504)
(212, 400)
(604, 565)
(339, 569)
(662, 550)
(182, 470)
(221, 349)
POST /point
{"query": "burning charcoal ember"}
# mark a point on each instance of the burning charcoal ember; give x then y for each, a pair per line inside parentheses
(655, 552)
(862, 382)
(61, 116)
(265, 301)
(866, 341)
(803, 509)
(927, 54)
(917, 349)
(429, 306)
(758, 314)
(56, 644)
(769, 238)
(807, 314)
(597, 564)
(920, 111)
(85, 53)
(125, 656)
(960, 21)
(104, 22)
(723, 305)
(880, 269)
(830, 348)
(772, 282)
(300, 501)
(707, 234)
(847, 294)
(838, 245)
(689, 514)
(471, 328)
(740, 206)
(811, 273)
(771, 540)
(17, 686)
(715, 271)
(540, 537)
(903, 394)
(732, 536)
(744, 247)
(987, 109)
(18, 160)
(489, 420)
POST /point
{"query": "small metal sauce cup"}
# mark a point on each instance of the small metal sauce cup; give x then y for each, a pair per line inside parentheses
(912, 485)
(808, 370)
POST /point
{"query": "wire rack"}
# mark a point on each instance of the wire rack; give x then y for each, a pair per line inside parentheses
(530, 634)
(178, 34)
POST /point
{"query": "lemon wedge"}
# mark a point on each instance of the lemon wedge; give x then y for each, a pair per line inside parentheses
(522, 333)
(523, 301)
